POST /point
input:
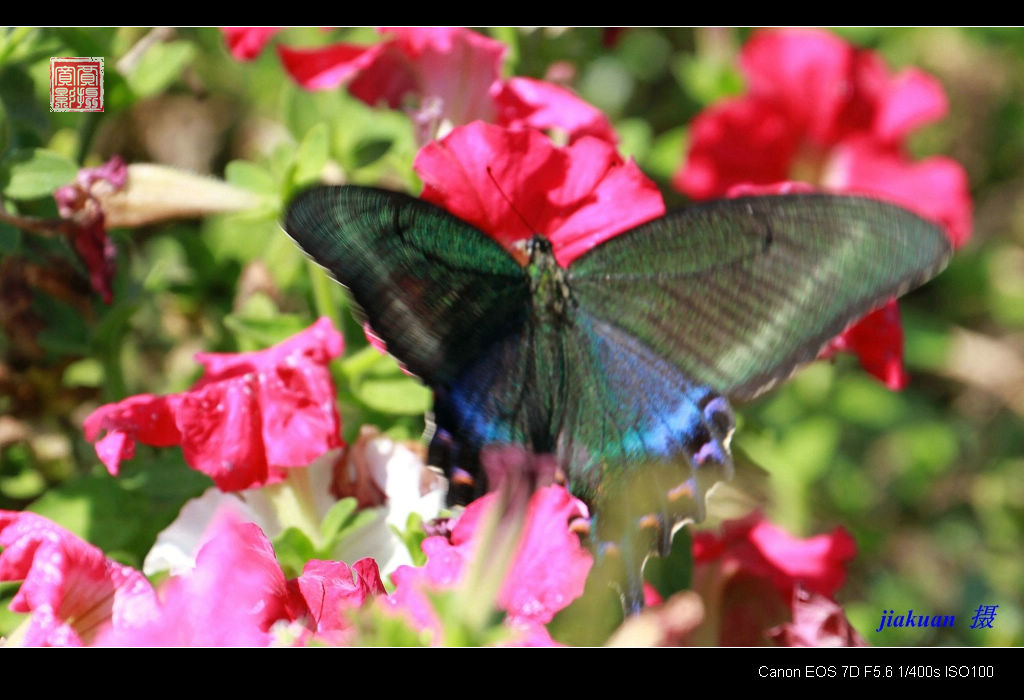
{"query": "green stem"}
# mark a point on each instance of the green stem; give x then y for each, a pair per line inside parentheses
(48, 228)
(85, 133)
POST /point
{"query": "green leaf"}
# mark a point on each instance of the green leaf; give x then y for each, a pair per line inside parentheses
(413, 537)
(293, 548)
(590, 619)
(10, 238)
(377, 381)
(259, 325)
(337, 517)
(634, 138)
(250, 176)
(85, 372)
(400, 395)
(665, 153)
(34, 172)
(672, 574)
(370, 151)
(5, 134)
(707, 81)
(159, 67)
(312, 156)
(125, 514)
(21, 480)
(362, 518)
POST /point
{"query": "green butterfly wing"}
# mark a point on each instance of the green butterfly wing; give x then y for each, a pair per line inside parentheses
(738, 293)
(436, 289)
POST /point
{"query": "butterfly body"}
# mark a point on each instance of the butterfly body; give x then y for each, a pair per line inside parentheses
(622, 363)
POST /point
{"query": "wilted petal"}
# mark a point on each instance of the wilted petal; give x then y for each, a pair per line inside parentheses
(149, 193)
(817, 622)
(80, 203)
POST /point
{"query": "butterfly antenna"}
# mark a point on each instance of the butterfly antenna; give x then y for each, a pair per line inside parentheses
(509, 202)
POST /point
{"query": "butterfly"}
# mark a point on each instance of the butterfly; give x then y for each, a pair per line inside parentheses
(622, 364)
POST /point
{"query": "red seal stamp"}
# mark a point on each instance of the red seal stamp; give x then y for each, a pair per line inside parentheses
(76, 84)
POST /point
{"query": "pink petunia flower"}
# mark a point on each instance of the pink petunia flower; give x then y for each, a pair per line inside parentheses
(577, 196)
(71, 589)
(749, 576)
(246, 43)
(236, 595)
(247, 419)
(444, 76)
(548, 571)
(80, 205)
(823, 112)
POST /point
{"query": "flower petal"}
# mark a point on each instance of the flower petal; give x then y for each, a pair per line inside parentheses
(578, 196)
(250, 416)
(935, 188)
(232, 598)
(525, 102)
(877, 340)
(817, 622)
(246, 43)
(68, 585)
(738, 141)
(761, 548)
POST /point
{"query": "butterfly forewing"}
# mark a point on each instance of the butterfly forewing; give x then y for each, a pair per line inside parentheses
(437, 290)
(737, 293)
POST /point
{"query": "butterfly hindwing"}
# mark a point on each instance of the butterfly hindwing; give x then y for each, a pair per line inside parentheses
(737, 293)
(437, 290)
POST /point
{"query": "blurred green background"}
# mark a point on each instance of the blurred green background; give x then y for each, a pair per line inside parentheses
(929, 481)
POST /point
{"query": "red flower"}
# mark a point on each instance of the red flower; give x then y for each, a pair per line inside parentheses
(577, 196)
(548, 572)
(236, 595)
(749, 576)
(448, 76)
(822, 111)
(817, 622)
(250, 415)
(79, 204)
(246, 43)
